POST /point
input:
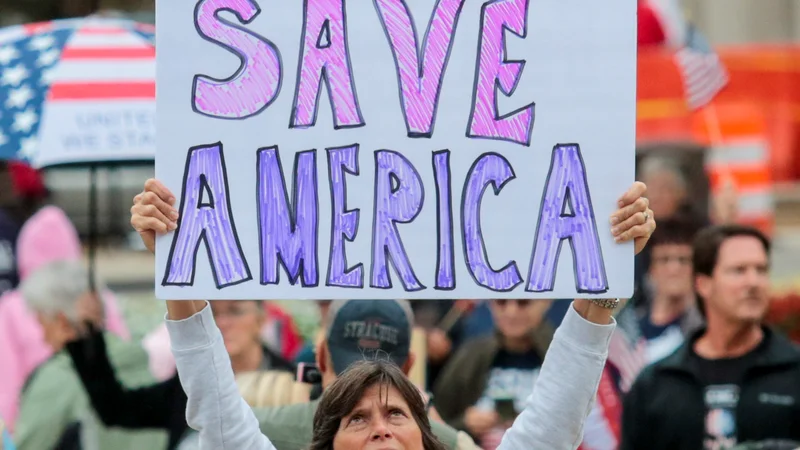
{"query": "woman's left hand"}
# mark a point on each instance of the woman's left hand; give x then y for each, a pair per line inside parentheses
(634, 218)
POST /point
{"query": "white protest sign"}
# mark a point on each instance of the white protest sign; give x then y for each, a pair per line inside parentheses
(326, 149)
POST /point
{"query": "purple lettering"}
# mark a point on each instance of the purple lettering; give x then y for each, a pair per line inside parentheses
(420, 82)
(256, 83)
(288, 238)
(206, 216)
(445, 254)
(344, 222)
(566, 213)
(325, 57)
(399, 195)
(494, 169)
(495, 71)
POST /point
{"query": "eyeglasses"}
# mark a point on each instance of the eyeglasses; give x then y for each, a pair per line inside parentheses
(503, 302)
(682, 260)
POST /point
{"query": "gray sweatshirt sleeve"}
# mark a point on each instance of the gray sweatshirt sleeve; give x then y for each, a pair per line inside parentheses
(565, 389)
(215, 408)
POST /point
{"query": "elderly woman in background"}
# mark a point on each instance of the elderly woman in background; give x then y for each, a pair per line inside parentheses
(46, 237)
(54, 409)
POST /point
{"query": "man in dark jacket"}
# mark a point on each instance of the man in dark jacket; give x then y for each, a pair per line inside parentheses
(733, 382)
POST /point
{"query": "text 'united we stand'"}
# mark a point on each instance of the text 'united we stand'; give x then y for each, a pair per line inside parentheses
(364, 149)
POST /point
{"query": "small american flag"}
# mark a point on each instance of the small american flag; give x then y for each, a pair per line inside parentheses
(704, 75)
(627, 351)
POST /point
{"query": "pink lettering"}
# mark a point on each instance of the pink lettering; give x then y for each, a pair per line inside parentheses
(494, 70)
(420, 82)
(255, 84)
(325, 56)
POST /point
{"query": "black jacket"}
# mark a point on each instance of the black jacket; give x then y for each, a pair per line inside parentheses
(665, 408)
(160, 405)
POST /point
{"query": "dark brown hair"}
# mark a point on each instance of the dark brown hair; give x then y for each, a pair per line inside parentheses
(679, 230)
(707, 244)
(709, 240)
(343, 395)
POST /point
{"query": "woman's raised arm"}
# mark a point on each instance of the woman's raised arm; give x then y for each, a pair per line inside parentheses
(214, 408)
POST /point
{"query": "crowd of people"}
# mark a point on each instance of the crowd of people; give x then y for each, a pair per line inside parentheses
(687, 363)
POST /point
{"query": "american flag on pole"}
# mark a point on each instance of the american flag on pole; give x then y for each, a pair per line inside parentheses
(704, 75)
(77, 90)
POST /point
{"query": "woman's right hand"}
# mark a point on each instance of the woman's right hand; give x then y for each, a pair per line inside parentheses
(153, 212)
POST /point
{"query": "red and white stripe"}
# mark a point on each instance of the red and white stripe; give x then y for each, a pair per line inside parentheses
(628, 358)
(104, 63)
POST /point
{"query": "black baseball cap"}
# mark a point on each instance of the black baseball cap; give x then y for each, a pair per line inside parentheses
(360, 330)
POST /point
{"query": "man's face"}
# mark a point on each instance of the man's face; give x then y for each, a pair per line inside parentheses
(240, 322)
(737, 290)
(671, 270)
(518, 318)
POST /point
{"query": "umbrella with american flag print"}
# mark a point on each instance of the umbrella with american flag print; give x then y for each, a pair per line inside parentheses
(77, 91)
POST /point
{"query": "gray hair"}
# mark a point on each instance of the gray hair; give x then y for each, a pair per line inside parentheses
(661, 164)
(55, 288)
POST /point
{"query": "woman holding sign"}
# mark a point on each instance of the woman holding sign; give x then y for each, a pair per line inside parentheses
(373, 405)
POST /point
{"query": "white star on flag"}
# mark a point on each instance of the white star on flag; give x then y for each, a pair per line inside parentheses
(19, 97)
(28, 147)
(48, 75)
(24, 121)
(13, 76)
(7, 54)
(3, 139)
(48, 58)
(42, 42)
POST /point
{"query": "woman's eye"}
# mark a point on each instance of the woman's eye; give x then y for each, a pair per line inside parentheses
(356, 419)
(398, 413)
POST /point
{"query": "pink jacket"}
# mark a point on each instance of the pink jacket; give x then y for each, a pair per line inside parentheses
(46, 237)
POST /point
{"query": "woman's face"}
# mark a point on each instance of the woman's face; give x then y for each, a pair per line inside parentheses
(665, 193)
(382, 420)
(240, 322)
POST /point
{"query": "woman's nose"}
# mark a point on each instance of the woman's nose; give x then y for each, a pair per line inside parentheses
(380, 430)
